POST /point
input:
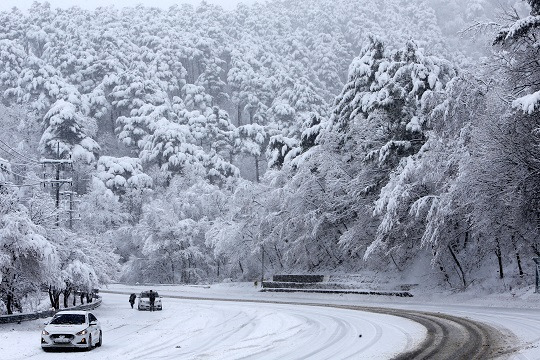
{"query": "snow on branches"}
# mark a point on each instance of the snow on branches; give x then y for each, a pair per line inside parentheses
(67, 134)
(121, 174)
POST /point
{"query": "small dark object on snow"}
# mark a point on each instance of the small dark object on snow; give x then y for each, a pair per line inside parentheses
(360, 335)
(178, 347)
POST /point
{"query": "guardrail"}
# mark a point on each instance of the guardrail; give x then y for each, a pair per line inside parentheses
(17, 318)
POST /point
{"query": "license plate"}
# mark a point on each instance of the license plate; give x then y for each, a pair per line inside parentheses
(61, 341)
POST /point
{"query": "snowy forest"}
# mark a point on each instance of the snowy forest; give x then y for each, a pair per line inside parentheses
(333, 136)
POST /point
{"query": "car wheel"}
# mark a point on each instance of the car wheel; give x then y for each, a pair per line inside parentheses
(100, 339)
(89, 347)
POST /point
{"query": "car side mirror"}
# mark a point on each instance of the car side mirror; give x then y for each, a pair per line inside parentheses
(46, 323)
(93, 323)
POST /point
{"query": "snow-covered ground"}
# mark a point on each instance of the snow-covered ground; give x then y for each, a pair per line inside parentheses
(195, 329)
(516, 313)
(209, 329)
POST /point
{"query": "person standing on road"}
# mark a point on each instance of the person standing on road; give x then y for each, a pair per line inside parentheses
(152, 297)
(132, 298)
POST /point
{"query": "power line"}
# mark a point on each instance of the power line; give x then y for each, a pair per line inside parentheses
(22, 164)
(23, 157)
(19, 175)
(17, 158)
(18, 185)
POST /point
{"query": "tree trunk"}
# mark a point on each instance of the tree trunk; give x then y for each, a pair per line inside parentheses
(278, 255)
(66, 293)
(518, 258)
(446, 277)
(499, 259)
(458, 264)
(173, 270)
(113, 122)
(9, 304)
(520, 268)
(189, 269)
(239, 120)
(395, 263)
(241, 268)
(54, 297)
(257, 175)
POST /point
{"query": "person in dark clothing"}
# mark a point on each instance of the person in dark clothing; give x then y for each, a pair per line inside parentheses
(152, 297)
(132, 298)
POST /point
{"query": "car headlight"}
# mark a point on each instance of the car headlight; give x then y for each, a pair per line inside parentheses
(83, 332)
(44, 332)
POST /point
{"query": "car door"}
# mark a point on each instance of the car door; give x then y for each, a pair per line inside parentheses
(94, 329)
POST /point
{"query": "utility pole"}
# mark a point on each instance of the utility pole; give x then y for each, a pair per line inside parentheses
(71, 208)
(72, 202)
(58, 165)
(57, 186)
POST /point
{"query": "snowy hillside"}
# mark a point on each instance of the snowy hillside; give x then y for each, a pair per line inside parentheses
(192, 144)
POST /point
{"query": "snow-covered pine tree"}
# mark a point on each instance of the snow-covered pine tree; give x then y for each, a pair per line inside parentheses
(122, 174)
(211, 80)
(68, 134)
(393, 86)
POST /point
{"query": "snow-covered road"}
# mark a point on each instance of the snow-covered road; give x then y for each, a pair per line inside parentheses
(191, 329)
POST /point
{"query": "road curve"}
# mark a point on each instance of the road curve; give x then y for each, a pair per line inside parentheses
(448, 337)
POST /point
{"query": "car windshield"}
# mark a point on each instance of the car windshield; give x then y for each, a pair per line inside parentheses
(68, 319)
(146, 294)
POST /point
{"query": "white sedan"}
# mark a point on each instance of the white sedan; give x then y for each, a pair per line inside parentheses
(72, 329)
(144, 301)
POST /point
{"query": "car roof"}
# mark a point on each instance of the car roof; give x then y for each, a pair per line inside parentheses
(72, 312)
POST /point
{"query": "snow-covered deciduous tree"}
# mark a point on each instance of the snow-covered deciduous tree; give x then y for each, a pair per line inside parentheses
(101, 209)
(519, 43)
(172, 232)
(27, 258)
(234, 236)
(426, 202)
(5, 170)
